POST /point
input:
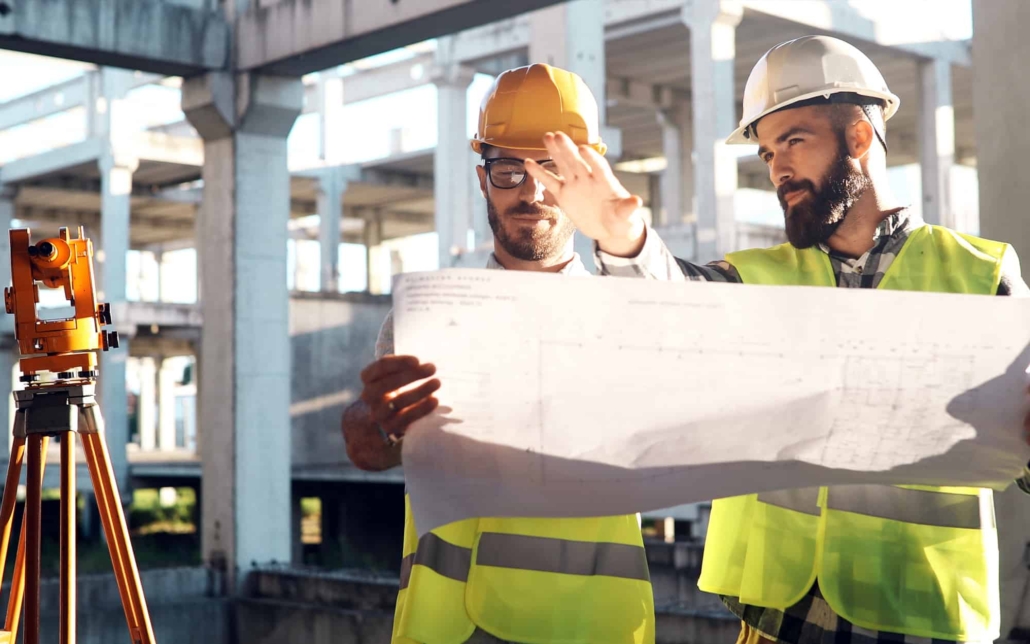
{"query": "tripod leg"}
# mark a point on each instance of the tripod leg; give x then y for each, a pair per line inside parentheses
(33, 505)
(17, 588)
(67, 624)
(10, 498)
(122, 559)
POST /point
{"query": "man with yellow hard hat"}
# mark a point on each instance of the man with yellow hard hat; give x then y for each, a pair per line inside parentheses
(532, 581)
(838, 565)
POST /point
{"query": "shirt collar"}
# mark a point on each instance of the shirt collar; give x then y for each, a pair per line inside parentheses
(899, 223)
(575, 267)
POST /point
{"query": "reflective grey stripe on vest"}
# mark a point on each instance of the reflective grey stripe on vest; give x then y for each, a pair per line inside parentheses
(440, 556)
(910, 506)
(804, 500)
(562, 556)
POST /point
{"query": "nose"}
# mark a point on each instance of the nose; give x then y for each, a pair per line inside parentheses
(780, 171)
(531, 190)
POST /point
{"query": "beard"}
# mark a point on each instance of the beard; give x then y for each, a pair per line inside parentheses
(530, 243)
(815, 218)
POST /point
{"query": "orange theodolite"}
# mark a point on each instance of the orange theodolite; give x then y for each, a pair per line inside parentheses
(68, 344)
(61, 406)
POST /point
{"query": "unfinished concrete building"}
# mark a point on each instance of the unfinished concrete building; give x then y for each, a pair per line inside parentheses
(249, 275)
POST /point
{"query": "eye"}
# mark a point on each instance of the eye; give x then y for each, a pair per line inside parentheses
(794, 141)
(767, 157)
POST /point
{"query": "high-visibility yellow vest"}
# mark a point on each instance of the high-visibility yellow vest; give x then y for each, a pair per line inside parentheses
(917, 560)
(533, 581)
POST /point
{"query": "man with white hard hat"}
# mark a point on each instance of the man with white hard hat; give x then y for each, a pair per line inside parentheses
(837, 565)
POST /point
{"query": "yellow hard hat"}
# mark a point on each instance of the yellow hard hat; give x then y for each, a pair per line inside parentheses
(525, 103)
(808, 70)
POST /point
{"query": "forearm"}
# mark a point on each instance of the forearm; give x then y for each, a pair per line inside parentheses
(365, 445)
(656, 262)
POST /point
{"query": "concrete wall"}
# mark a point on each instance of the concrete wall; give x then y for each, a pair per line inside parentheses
(186, 606)
(1001, 94)
(357, 608)
(333, 339)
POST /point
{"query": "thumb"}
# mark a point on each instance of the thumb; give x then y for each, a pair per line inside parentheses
(626, 206)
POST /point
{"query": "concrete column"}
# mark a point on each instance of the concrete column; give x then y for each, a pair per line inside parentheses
(451, 166)
(331, 187)
(1001, 92)
(936, 141)
(146, 410)
(166, 378)
(159, 259)
(373, 237)
(244, 406)
(570, 35)
(8, 347)
(109, 260)
(296, 517)
(713, 25)
(677, 180)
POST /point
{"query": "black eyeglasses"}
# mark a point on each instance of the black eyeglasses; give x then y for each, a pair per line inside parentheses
(508, 173)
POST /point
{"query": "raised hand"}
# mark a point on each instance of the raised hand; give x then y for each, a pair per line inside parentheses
(590, 194)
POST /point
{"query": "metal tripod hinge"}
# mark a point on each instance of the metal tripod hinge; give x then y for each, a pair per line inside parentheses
(49, 411)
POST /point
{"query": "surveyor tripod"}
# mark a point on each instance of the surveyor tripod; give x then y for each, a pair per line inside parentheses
(62, 409)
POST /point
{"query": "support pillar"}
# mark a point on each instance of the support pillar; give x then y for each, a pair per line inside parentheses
(146, 410)
(570, 35)
(936, 141)
(331, 186)
(244, 405)
(713, 25)
(159, 260)
(677, 180)
(166, 380)
(373, 237)
(296, 519)
(1001, 92)
(110, 263)
(451, 160)
(8, 347)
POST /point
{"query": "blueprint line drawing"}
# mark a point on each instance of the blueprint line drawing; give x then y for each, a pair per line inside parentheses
(584, 397)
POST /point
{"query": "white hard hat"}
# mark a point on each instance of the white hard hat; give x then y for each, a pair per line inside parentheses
(812, 69)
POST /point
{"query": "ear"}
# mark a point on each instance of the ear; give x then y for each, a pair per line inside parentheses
(860, 138)
(481, 171)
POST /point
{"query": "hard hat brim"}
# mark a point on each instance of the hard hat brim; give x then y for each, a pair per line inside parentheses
(737, 137)
(477, 146)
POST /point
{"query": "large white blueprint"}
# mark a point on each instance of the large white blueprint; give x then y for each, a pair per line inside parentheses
(567, 396)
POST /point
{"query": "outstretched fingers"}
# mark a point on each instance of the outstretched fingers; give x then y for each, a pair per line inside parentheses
(552, 182)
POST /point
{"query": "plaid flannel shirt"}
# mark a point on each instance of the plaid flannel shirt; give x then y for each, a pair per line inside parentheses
(811, 620)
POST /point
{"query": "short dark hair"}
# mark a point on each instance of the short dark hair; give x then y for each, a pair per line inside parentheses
(484, 151)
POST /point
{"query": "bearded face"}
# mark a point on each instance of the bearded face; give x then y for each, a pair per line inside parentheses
(812, 218)
(529, 231)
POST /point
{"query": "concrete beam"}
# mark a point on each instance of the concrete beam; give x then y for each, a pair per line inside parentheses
(387, 79)
(626, 91)
(840, 18)
(621, 18)
(149, 35)
(69, 156)
(56, 98)
(51, 100)
(295, 37)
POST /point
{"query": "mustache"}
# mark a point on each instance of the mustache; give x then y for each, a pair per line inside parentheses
(793, 186)
(536, 210)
